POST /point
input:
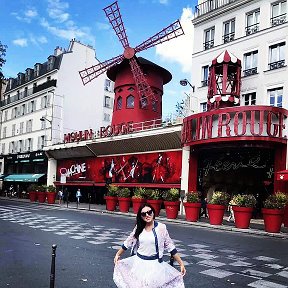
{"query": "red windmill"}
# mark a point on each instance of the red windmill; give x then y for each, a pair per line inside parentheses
(127, 72)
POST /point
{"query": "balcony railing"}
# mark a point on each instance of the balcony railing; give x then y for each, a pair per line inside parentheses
(210, 5)
(276, 65)
(249, 72)
(278, 20)
(228, 37)
(208, 45)
(252, 29)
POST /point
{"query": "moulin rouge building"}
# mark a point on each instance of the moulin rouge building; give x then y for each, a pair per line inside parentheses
(237, 142)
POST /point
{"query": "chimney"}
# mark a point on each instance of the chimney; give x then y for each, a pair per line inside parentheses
(57, 51)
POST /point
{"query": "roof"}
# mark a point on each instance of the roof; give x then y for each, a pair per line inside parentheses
(226, 57)
(113, 71)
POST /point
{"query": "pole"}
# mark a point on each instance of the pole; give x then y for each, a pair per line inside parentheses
(52, 273)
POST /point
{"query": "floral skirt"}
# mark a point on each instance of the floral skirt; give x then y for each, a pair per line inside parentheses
(134, 272)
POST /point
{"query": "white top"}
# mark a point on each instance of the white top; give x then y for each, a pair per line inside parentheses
(146, 243)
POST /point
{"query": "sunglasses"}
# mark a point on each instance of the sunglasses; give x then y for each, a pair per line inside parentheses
(148, 213)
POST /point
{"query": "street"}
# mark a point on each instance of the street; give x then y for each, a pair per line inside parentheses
(87, 242)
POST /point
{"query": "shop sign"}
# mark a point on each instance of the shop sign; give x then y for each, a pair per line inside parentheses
(78, 136)
(235, 122)
(114, 130)
(74, 169)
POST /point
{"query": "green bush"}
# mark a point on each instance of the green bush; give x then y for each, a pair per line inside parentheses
(112, 190)
(244, 200)
(153, 194)
(193, 197)
(42, 188)
(139, 193)
(33, 187)
(123, 193)
(220, 198)
(51, 188)
(276, 201)
(171, 195)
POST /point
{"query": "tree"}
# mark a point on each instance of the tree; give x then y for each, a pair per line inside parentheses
(180, 109)
(2, 58)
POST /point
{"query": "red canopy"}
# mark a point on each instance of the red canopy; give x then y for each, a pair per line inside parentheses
(282, 175)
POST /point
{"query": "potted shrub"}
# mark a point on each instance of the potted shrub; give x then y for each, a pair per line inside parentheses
(192, 206)
(124, 199)
(51, 194)
(138, 198)
(217, 206)
(154, 199)
(243, 206)
(171, 202)
(273, 212)
(41, 193)
(111, 197)
(32, 190)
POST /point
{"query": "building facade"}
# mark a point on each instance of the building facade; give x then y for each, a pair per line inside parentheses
(41, 105)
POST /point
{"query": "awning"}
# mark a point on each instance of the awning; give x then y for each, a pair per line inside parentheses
(282, 175)
(2, 176)
(23, 177)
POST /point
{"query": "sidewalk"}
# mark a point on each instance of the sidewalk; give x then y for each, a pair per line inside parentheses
(256, 226)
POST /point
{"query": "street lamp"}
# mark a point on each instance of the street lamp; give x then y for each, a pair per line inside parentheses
(185, 82)
(43, 118)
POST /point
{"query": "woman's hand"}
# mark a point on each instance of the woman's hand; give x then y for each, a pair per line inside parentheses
(183, 270)
(116, 258)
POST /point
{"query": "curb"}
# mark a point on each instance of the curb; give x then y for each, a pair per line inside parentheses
(250, 231)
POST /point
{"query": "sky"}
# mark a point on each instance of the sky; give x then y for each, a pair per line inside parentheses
(32, 29)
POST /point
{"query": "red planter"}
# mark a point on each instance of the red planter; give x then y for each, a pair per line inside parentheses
(192, 211)
(172, 208)
(242, 216)
(137, 202)
(33, 196)
(51, 196)
(272, 219)
(285, 218)
(156, 204)
(124, 204)
(216, 213)
(111, 203)
(41, 197)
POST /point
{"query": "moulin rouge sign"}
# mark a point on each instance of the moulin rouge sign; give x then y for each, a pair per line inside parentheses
(235, 122)
(78, 136)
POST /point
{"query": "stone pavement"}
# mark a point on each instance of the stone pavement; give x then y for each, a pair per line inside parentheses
(256, 225)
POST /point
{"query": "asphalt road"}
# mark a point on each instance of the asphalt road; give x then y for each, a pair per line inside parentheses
(87, 241)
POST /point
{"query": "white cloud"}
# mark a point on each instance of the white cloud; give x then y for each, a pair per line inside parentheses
(37, 40)
(56, 10)
(163, 2)
(103, 26)
(179, 50)
(22, 42)
(30, 13)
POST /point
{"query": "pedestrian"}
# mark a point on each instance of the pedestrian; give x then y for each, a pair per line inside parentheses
(146, 268)
(60, 196)
(203, 210)
(78, 196)
(231, 212)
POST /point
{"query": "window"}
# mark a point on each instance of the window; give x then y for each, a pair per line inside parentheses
(37, 70)
(13, 129)
(249, 99)
(143, 102)
(277, 56)
(229, 31)
(11, 147)
(276, 96)
(29, 126)
(205, 73)
(50, 63)
(43, 123)
(203, 107)
(48, 78)
(107, 117)
(20, 146)
(209, 38)
(29, 143)
(41, 142)
(32, 106)
(250, 63)
(23, 109)
(119, 103)
(252, 22)
(3, 148)
(45, 101)
(5, 115)
(4, 132)
(278, 10)
(21, 128)
(107, 102)
(130, 102)
(20, 78)
(107, 85)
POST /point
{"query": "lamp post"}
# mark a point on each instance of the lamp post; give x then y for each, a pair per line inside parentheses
(185, 82)
(42, 119)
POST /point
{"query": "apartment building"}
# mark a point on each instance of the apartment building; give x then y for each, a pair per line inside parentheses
(47, 101)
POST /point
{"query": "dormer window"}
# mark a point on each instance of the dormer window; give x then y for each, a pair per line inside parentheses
(37, 68)
(28, 74)
(130, 102)
(50, 64)
(10, 83)
(20, 78)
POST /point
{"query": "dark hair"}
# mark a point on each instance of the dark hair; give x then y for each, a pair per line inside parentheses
(140, 223)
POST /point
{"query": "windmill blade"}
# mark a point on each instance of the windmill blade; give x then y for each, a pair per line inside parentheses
(172, 31)
(88, 74)
(113, 14)
(144, 90)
